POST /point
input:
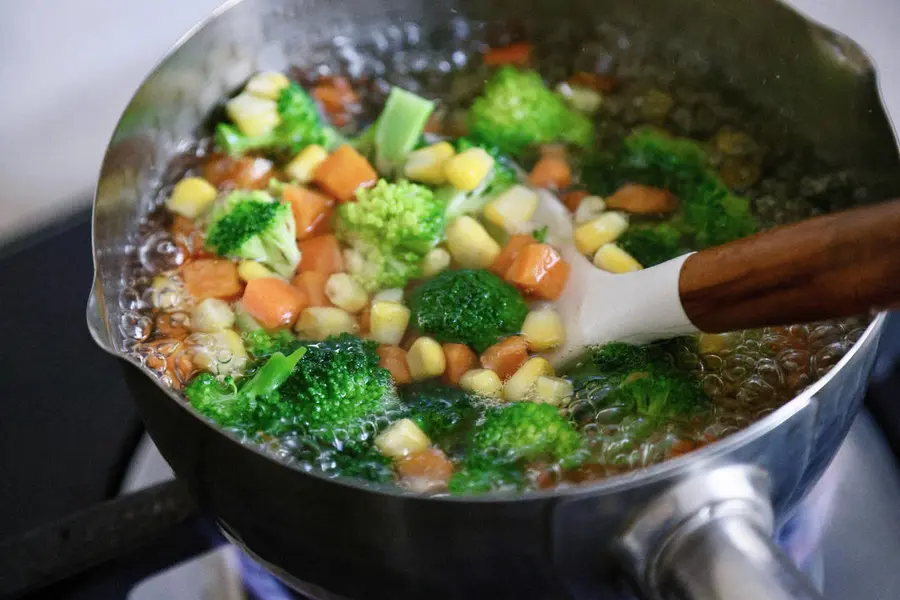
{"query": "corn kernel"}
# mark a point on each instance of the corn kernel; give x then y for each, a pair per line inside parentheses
(253, 115)
(191, 197)
(467, 170)
(714, 343)
(267, 85)
(543, 330)
(470, 244)
(426, 359)
(582, 99)
(512, 209)
(553, 390)
(610, 257)
(589, 209)
(168, 294)
(344, 292)
(482, 382)
(248, 270)
(435, 261)
(427, 164)
(302, 166)
(320, 322)
(212, 315)
(402, 438)
(602, 230)
(219, 353)
(522, 382)
(388, 321)
(389, 295)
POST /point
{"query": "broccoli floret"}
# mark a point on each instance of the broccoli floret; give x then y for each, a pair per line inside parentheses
(469, 306)
(399, 128)
(620, 358)
(712, 214)
(662, 393)
(252, 225)
(337, 391)
(300, 126)
(364, 462)
(517, 110)
(262, 344)
(508, 438)
(391, 226)
(249, 404)
(439, 410)
(651, 244)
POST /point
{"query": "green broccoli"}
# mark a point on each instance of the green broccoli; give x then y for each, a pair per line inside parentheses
(712, 214)
(262, 344)
(663, 393)
(300, 126)
(651, 244)
(364, 462)
(517, 110)
(441, 411)
(253, 226)
(392, 227)
(337, 391)
(509, 437)
(247, 404)
(470, 306)
(620, 358)
(399, 128)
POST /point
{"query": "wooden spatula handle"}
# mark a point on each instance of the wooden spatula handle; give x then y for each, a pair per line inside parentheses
(831, 266)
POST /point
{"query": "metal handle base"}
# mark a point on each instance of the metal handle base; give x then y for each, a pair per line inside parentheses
(710, 538)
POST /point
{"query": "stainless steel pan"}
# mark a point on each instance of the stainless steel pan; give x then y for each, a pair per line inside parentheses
(695, 527)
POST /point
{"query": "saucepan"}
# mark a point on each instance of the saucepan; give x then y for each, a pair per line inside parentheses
(695, 527)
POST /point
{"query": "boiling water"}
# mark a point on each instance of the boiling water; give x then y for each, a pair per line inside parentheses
(757, 155)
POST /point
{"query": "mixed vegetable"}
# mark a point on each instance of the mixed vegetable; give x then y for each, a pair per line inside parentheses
(386, 297)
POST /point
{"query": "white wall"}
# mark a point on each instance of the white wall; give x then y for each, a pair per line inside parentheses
(67, 68)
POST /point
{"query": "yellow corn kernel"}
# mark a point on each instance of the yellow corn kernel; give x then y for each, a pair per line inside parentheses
(167, 294)
(212, 315)
(219, 353)
(482, 382)
(191, 197)
(543, 330)
(589, 209)
(248, 270)
(602, 230)
(467, 170)
(402, 438)
(553, 390)
(302, 166)
(388, 321)
(252, 115)
(715, 343)
(470, 244)
(267, 85)
(427, 164)
(435, 261)
(582, 99)
(320, 322)
(610, 257)
(389, 295)
(344, 292)
(512, 209)
(522, 382)
(426, 359)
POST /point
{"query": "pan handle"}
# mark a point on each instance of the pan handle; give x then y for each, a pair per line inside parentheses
(710, 538)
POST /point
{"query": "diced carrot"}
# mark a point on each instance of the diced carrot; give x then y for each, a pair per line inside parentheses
(309, 208)
(273, 302)
(434, 124)
(573, 199)
(168, 356)
(343, 172)
(642, 200)
(312, 284)
(321, 253)
(460, 359)
(518, 54)
(324, 225)
(680, 447)
(600, 83)
(430, 464)
(365, 319)
(211, 278)
(336, 95)
(244, 173)
(181, 225)
(551, 172)
(505, 358)
(172, 325)
(393, 358)
(540, 270)
(509, 253)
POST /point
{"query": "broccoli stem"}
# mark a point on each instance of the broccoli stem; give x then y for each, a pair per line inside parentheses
(399, 127)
